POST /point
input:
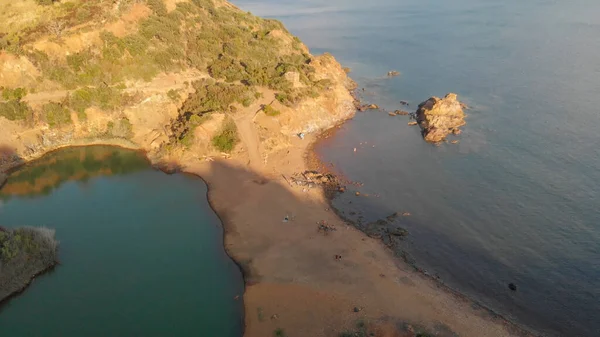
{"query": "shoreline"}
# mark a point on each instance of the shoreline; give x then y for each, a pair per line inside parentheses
(253, 275)
(6, 299)
(314, 162)
(249, 273)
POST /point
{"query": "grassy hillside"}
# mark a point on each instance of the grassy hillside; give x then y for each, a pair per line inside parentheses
(95, 50)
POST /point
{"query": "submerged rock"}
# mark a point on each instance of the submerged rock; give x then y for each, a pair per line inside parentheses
(393, 73)
(438, 117)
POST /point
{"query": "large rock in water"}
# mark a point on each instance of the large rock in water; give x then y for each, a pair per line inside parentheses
(438, 117)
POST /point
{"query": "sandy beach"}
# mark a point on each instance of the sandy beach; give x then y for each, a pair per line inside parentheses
(293, 280)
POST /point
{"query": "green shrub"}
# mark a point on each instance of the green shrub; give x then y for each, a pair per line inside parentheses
(56, 115)
(227, 138)
(135, 44)
(14, 94)
(106, 98)
(122, 128)
(164, 28)
(46, 2)
(294, 96)
(270, 111)
(83, 13)
(76, 61)
(79, 100)
(173, 95)
(158, 6)
(279, 332)
(215, 96)
(15, 110)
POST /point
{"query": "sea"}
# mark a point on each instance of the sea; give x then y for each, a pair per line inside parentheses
(517, 200)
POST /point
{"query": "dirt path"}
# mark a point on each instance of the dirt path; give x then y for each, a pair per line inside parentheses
(250, 138)
(160, 84)
(247, 129)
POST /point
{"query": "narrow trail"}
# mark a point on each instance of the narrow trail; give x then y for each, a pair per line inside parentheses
(249, 136)
(160, 84)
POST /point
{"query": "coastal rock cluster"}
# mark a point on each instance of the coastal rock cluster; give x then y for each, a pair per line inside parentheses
(439, 117)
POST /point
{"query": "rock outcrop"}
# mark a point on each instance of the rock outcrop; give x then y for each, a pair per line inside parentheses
(26, 252)
(439, 117)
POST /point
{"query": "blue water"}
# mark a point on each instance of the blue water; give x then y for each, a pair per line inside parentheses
(141, 252)
(517, 200)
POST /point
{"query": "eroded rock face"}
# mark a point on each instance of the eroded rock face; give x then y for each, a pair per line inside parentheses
(439, 117)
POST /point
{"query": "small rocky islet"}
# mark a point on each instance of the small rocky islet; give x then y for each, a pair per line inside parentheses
(439, 117)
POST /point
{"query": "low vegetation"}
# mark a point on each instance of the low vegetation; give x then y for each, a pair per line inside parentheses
(103, 97)
(173, 95)
(211, 96)
(13, 94)
(121, 128)
(270, 110)
(24, 253)
(279, 332)
(227, 138)
(56, 115)
(15, 110)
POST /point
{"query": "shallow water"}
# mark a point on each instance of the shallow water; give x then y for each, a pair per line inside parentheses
(517, 200)
(141, 252)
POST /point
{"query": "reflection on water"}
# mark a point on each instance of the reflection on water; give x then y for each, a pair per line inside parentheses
(141, 252)
(44, 175)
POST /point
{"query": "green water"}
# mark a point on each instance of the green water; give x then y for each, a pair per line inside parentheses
(141, 252)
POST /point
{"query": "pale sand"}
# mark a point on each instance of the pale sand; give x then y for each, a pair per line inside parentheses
(291, 272)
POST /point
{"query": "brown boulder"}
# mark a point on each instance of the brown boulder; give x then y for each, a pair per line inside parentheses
(438, 117)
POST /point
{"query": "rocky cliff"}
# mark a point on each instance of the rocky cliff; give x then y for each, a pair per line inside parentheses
(439, 117)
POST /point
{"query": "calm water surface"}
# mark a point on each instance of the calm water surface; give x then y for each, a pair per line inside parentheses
(141, 252)
(518, 199)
